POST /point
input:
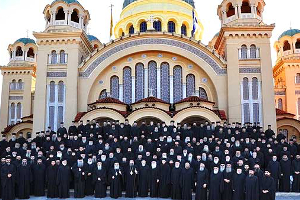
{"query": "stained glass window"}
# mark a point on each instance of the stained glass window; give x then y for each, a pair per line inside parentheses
(143, 27)
(157, 25)
(114, 87)
(245, 89)
(190, 85)
(177, 83)
(244, 52)
(183, 30)
(139, 81)
(19, 111)
(61, 91)
(12, 113)
(280, 105)
(252, 51)
(131, 29)
(127, 84)
(52, 92)
(256, 112)
(53, 57)
(246, 112)
(171, 27)
(202, 93)
(165, 82)
(254, 88)
(152, 77)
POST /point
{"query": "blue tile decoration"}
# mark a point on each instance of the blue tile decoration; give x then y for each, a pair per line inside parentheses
(177, 83)
(190, 85)
(152, 78)
(165, 82)
(127, 84)
(114, 87)
(139, 81)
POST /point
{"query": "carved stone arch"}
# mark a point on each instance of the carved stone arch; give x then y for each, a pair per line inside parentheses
(149, 112)
(196, 112)
(103, 113)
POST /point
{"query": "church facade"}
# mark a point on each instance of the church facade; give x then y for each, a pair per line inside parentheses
(156, 68)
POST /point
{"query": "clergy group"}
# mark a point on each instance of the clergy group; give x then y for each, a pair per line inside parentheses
(202, 161)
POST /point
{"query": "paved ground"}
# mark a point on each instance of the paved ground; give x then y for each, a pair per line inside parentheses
(280, 196)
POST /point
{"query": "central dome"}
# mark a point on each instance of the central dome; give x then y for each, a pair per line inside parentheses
(127, 2)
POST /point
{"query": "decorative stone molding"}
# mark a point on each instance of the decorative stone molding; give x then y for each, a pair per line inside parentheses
(15, 97)
(244, 70)
(56, 74)
(280, 93)
(219, 70)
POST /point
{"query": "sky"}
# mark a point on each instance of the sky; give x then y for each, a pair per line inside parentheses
(19, 17)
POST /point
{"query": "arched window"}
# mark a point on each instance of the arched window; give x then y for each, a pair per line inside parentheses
(171, 27)
(143, 27)
(61, 92)
(30, 53)
(190, 85)
(177, 83)
(53, 57)
(244, 52)
(157, 25)
(74, 16)
(254, 88)
(139, 81)
(297, 78)
(230, 10)
(256, 112)
(131, 29)
(127, 84)
(62, 57)
(12, 113)
(246, 110)
(13, 85)
(60, 15)
(114, 87)
(202, 93)
(19, 111)
(52, 92)
(286, 46)
(183, 30)
(246, 7)
(298, 104)
(297, 45)
(20, 84)
(165, 81)
(19, 51)
(280, 105)
(152, 78)
(103, 94)
(245, 88)
(252, 51)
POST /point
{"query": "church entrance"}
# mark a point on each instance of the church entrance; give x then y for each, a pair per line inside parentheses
(148, 120)
(194, 119)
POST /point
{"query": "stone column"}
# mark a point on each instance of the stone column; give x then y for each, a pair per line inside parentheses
(69, 17)
(133, 89)
(146, 83)
(121, 92)
(158, 93)
(239, 9)
(171, 89)
(66, 16)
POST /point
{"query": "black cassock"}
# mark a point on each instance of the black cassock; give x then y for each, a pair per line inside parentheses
(251, 188)
(51, 174)
(115, 179)
(143, 186)
(63, 181)
(131, 178)
(39, 171)
(8, 184)
(100, 180)
(175, 177)
(153, 184)
(202, 178)
(275, 170)
(296, 177)
(24, 178)
(227, 193)
(216, 186)
(89, 184)
(238, 186)
(80, 175)
(187, 183)
(164, 180)
(267, 184)
(284, 183)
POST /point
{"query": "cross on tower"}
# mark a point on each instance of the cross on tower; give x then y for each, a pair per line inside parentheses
(150, 21)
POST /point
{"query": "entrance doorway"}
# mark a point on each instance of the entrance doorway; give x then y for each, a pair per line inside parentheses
(194, 119)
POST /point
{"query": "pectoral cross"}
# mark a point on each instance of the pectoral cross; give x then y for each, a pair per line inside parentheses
(150, 21)
(131, 173)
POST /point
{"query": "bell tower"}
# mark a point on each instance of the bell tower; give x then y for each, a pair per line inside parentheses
(63, 45)
(244, 41)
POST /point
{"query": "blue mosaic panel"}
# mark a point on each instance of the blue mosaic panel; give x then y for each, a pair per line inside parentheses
(190, 85)
(177, 83)
(114, 87)
(152, 78)
(127, 85)
(165, 82)
(139, 81)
